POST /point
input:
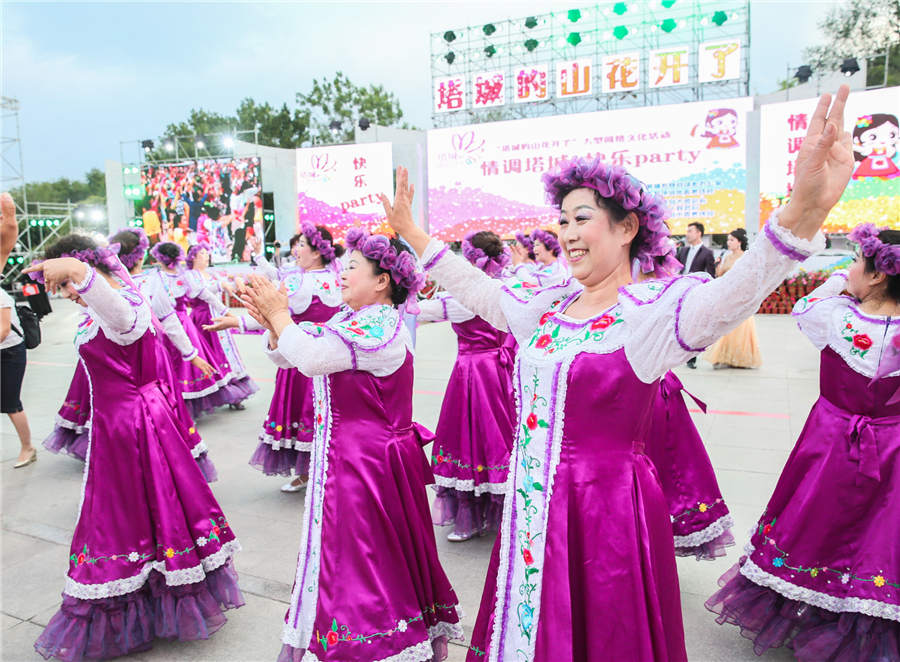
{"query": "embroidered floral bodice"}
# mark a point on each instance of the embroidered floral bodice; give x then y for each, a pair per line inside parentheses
(151, 286)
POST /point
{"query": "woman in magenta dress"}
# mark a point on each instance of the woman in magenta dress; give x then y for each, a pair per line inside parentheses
(162, 566)
(822, 570)
(473, 440)
(584, 564)
(70, 431)
(369, 585)
(204, 296)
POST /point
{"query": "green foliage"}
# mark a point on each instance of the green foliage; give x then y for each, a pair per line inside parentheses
(91, 189)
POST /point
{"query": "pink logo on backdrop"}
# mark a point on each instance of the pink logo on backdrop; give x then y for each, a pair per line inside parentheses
(466, 142)
(322, 163)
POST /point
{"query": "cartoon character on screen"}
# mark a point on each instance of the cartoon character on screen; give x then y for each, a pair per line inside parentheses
(875, 141)
(721, 128)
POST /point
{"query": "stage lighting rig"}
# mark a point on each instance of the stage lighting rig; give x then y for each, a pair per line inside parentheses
(147, 145)
(530, 22)
(228, 142)
(574, 38)
(719, 18)
(531, 44)
(489, 29)
(804, 73)
(489, 50)
(364, 123)
(849, 67)
(449, 36)
(450, 57)
(199, 143)
(574, 15)
(169, 146)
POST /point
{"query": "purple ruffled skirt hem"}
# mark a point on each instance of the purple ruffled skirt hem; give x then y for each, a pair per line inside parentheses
(109, 627)
(232, 393)
(281, 462)
(438, 646)
(469, 514)
(709, 550)
(814, 634)
(68, 442)
(208, 468)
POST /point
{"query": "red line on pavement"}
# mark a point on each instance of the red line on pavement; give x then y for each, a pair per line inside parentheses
(51, 363)
(757, 414)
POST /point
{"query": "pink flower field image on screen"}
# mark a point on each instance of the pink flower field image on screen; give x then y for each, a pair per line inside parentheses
(456, 212)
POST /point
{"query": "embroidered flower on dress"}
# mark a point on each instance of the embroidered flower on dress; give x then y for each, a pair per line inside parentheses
(531, 421)
(134, 557)
(603, 322)
(702, 507)
(526, 555)
(845, 578)
(201, 541)
(170, 553)
(401, 625)
(879, 580)
(331, 638)
(543, 341)
(779, 562)
(862, 341)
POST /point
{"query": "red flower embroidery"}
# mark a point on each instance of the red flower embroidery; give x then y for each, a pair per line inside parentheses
(529, 286)
(862, 341)
(319, 418)
(80, 559)
(354, 323)
(766, 529)
(603, 322)
(216, 530)
(331, 638)
(526, 554)
(440, 459)
(545, 317)
(358, 332)
(543, 341)
(325, 286)
(531, 421)
(849, 326)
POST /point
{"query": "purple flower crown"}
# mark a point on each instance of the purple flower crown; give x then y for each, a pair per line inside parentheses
(886, 256)
(317, 241)
(165, 259)
(135, 257)
(526, 243)
(193, 250)
(401, 265)
(550, 242)
(492, 266)
(654, 252)
(101, 256)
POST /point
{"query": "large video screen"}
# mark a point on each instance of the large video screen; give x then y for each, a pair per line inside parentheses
(213, 201)
(873, 194)
(488, 176)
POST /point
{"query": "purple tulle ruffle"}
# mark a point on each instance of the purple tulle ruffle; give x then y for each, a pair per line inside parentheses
(110, 627)
(468, 513)
(207, 467)
(771, 620)
(281, 462)
(709, 550)
(232, 393)
(68, 442)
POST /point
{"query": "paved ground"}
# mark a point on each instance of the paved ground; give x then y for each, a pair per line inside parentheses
(756, 415)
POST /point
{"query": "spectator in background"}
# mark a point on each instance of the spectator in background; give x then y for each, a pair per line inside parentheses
(152, 225)
(12, 372)
(696, 257)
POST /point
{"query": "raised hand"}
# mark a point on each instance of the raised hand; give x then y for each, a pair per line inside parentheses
(399, 214)
(823, 168)
(268, 300)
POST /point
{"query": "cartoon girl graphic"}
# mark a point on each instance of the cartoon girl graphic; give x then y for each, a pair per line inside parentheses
(875, 140)
(721, 128)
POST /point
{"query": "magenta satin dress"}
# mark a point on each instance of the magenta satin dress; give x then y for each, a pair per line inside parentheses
(700, 519)
(70, 432)
(151, 552)
(475, 431)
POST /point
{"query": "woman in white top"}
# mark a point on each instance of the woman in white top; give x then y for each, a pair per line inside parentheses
(12, 372)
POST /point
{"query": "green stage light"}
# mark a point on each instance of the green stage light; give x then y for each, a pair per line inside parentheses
(20, 260)
(530, 22)
(667, 3)
(489, 29)
(531, 44)
(574, 38)
(668, 25)
(450, 57)
(574, 15)
(620, 32)
(11, 261)
(32, 223)
(449, 36)
(719, 17)
(489, 51)
(620, 8)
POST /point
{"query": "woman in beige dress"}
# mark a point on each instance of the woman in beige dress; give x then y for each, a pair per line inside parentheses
(740, 348)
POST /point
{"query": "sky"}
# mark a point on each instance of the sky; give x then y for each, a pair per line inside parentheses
(91, 75)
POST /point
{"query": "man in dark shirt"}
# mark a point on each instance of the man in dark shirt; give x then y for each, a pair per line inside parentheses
(694, 257)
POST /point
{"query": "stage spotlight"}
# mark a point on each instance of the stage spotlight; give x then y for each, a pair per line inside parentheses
(574, 38)
(531, 44)
(849, 67)
(574, 15)
(79, 215)
(228, 142)
(668, 25)
(199, 143)
(449, 36)
(667, 3)
(364, 123)
(147, 145)
(450, 57)
(530, 22)
(489, 51)
(804, 73)
(620, 32)
(620, 8)
(489, 29)
(719, 17)
(170, 146)
(97, 215)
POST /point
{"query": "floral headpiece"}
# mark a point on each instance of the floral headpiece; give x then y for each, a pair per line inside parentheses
(654, 252)
(317, 241)
(550, 242)
(170, 262)
(526, 243)
(105, 256)
(492, 266)
(135, 257)
(401, 265)
(193, 250)
(886, 256)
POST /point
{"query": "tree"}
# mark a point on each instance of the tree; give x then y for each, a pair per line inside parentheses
(93, 188)
(860, 29)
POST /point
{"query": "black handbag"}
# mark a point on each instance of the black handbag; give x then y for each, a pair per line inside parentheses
(31, 327)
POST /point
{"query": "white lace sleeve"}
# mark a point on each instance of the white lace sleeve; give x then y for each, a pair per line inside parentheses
(275, 355)
(266, 267)
(468, 284)
(175, 332)
(248, 324)
(197, 288)
(373, 339)
(691, 312)
(299, 287)
(123, 314)
(443, 308)
(815, 312)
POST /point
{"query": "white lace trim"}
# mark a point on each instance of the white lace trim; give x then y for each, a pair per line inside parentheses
(173, 577)
(785, 236)
(711, 532)
(69, 425)
(90, 444)
(817, 599)
(194, 395)
(278, 444)
(470, 486)
(199, 449)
